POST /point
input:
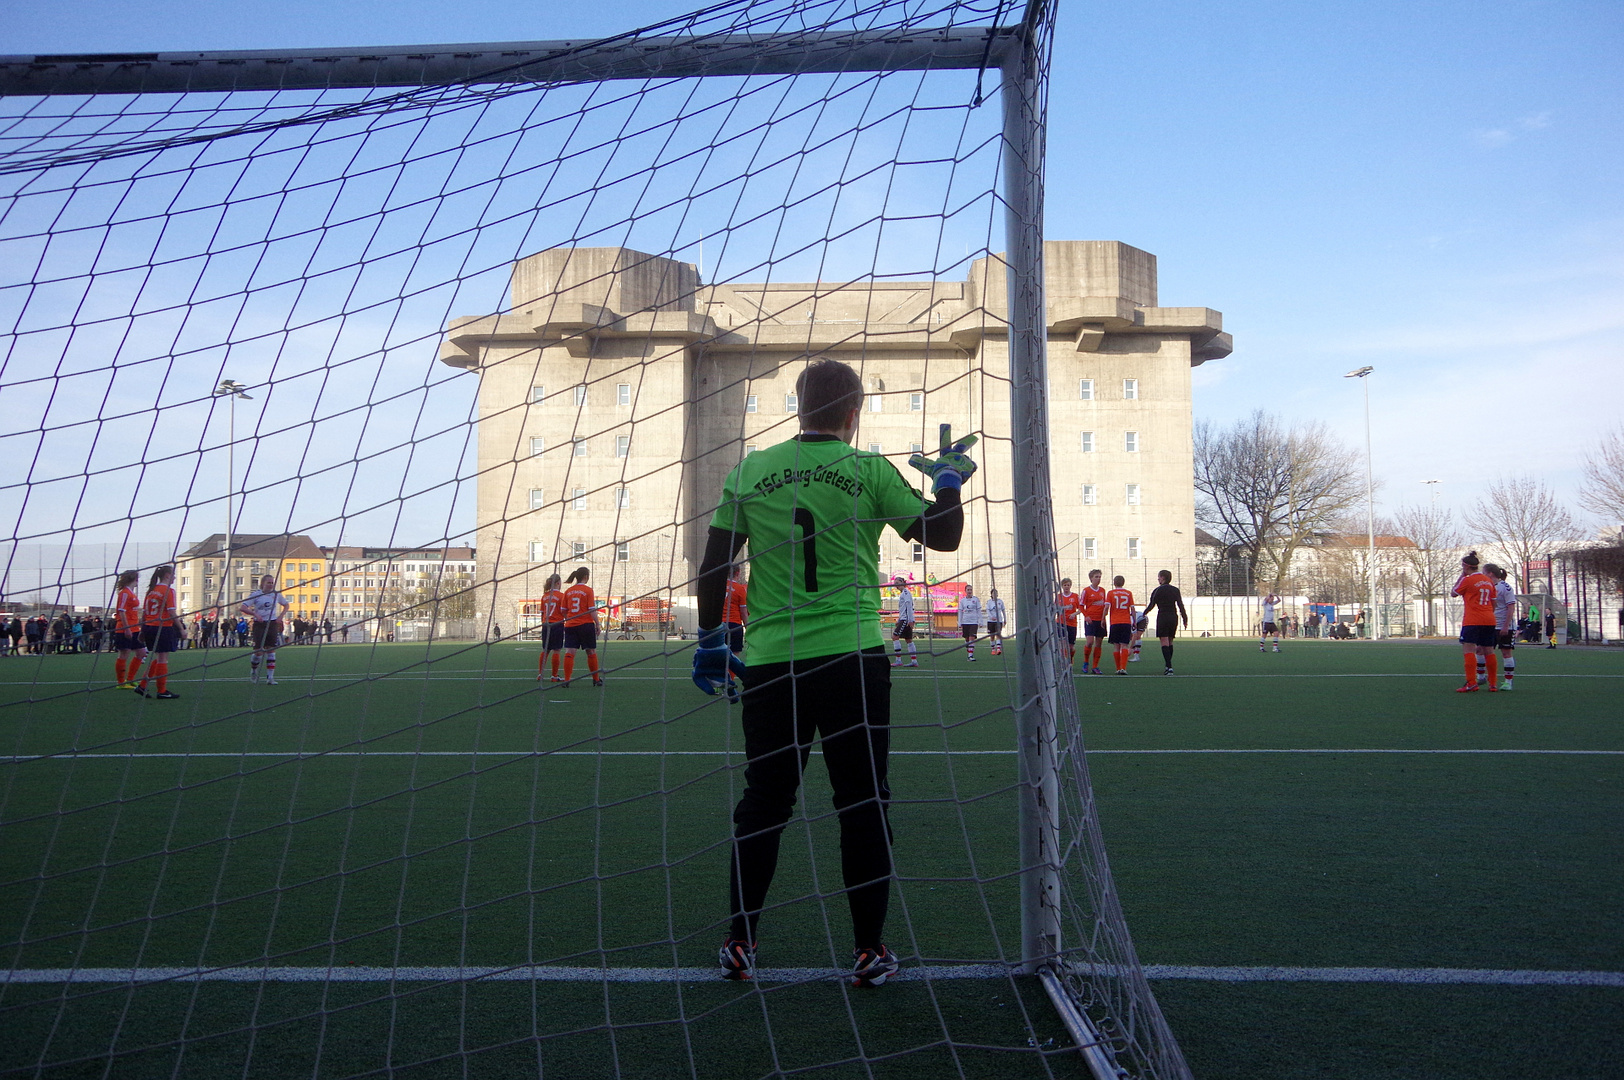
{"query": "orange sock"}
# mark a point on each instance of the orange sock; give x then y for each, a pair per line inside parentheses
(569, 665)
(555, 665)
(592, 663)
(1121, 656)
(151, 668)
(1471, 670)
(1099, 654)
(541, 664)
(1494, 669)
(118, 670)
(162, 671)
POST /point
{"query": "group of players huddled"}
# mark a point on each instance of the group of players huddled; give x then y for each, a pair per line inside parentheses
(1488, 624)
(147, 629)
(569, 622)
(1110, 616)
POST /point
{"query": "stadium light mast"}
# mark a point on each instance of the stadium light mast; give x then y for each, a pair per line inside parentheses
(1362, 374)
(231, 391)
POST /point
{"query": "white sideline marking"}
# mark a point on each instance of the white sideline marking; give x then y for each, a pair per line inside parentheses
(1415, 976)
(1410, 976)
(500, 676)
(313, 754)
(523, 973)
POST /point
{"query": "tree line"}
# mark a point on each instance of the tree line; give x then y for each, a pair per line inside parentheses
(1268, 491)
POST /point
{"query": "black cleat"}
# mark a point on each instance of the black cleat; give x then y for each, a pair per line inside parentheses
(166, 695)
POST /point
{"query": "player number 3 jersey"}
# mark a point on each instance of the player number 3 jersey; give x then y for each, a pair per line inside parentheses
(813, 509)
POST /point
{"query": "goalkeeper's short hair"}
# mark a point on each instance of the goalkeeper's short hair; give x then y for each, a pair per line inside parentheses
(827, 390)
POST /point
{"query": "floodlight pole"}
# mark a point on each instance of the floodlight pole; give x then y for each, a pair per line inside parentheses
(1375, 620)
(231, 391)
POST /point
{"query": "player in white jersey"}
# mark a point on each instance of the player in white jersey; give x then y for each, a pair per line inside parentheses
(265, 626)
(903, 629)
(996, 621)
(1505, 625)
(1270, 602)
(970, 620)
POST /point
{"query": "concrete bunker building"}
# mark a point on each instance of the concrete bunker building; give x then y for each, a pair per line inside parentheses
(617, 390)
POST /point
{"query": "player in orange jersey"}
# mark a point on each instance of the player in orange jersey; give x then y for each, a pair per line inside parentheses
(161, 630)
(1093, 625)
(733, 617)
(1119, 608)
(127, 631)
(580, 624)
(1066, 607)
(734, 610)
(552, 627)
(1478, 636)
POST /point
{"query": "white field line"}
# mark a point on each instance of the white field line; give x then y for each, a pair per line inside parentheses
(499, 675)
(1421, 976)
(313, 754)
(525, 973)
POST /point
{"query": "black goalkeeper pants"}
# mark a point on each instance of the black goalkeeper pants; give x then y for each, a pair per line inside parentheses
(847, 701)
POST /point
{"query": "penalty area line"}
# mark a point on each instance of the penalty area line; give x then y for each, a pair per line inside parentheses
(544, 973)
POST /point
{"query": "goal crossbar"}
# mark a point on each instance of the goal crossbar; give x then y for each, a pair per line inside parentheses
(532, 62)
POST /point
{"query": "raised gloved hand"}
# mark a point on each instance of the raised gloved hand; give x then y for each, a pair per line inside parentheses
(715, 665)
(952, 466)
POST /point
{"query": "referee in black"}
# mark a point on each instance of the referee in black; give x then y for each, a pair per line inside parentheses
(1168, 604)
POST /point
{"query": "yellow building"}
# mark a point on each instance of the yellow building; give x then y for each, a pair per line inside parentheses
(297, 562)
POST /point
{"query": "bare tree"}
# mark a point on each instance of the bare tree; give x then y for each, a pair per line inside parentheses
(1602, 490)
(1520, 518)
(1267, 490)
(1434, 561)
(1335, 565)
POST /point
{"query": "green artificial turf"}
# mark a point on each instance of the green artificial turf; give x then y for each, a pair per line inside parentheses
(428, 805)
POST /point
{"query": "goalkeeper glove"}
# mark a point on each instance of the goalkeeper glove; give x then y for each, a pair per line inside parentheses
(715, 666)
(952, 466)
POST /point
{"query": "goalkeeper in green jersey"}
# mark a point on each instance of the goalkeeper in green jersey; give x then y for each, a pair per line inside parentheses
(812, 510)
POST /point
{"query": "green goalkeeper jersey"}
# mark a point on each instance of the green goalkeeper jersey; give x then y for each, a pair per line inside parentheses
(813, 509)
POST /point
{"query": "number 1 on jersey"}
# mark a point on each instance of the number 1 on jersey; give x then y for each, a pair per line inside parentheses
(809, 548)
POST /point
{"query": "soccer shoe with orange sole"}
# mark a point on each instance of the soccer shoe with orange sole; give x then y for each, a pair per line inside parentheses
(1469, 688)
(738, 960)
(872, 967)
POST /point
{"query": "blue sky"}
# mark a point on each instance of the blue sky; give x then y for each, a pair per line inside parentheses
(1431, 188)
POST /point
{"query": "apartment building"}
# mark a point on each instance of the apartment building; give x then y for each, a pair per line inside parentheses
(298, 563)
(380, 586)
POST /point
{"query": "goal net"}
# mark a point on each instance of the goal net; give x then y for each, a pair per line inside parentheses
(411, 332)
